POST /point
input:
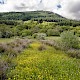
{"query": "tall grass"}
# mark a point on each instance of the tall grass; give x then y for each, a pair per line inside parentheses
(8, 51)
(58, 45)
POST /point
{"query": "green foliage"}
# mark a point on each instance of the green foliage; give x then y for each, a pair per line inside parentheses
(5, 32)
(28, 28)
(43, 30)
(47, 25)
(78, 33)
(34, 35)
(8, 22)
(53, 32)
(25, 32)
(40, 36)
(0, 34)
(35, 29)
(31, 15)
(29, 24)
(40, 16)
(69, 40)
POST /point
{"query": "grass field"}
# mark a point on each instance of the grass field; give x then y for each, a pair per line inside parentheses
(53, 38)
(41, 62)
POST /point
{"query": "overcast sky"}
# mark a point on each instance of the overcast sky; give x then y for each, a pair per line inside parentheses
(66, 8)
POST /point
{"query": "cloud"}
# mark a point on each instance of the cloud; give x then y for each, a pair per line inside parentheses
(69, 8)
(25, 5)
(74, 9)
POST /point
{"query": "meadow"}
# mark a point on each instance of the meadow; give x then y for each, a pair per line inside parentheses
(42, 62)
(37, 60)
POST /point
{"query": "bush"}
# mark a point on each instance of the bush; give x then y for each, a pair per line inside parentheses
(34, 35)
(69, 40)
(25, 32)
(78, 33)
(13, 48)
(40, 36)
(53, 32)
(74, 53)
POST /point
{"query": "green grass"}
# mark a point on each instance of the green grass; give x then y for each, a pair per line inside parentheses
(53, 38)
(79, 38)
(49, 64)
(5, 40)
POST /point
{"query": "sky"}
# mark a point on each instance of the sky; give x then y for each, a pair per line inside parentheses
(67, 8)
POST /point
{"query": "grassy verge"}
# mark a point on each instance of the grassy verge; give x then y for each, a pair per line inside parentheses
(53, 38)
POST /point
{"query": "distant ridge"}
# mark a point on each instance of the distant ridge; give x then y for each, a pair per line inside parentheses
(29, 15)
(36, 16)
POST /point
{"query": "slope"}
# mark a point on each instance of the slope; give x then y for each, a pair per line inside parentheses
(29, 15)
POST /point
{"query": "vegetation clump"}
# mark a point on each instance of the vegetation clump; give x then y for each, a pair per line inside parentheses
(39, 36)
(15, 46)
(53, 32)
(69, 40)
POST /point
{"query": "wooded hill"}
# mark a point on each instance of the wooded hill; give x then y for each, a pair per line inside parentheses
(37, 16)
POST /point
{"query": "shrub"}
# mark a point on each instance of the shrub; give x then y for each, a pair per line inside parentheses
(78, 33)
(43, 30)
(34, 35)
(40, 36)
(74, 53)
(69, 40)
(53, 32)
(14, 48)
(25, 32)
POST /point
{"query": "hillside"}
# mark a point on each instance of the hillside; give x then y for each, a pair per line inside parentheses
(12, 17)
(30, 15)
